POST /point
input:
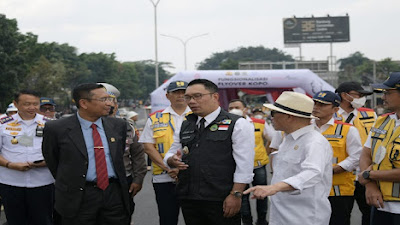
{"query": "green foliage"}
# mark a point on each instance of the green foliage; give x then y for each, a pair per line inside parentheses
(358, 68)
(230, 59)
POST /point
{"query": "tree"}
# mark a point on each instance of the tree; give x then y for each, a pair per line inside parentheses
(348, 66)
(230, 59)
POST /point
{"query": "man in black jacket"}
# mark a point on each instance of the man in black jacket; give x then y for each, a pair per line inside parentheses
(215, 156)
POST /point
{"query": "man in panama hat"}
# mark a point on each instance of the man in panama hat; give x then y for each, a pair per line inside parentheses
(302, 166)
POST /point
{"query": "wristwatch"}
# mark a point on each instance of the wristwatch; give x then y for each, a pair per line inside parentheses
(366, 175)
(237, 194)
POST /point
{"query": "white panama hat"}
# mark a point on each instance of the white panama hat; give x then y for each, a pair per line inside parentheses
(293, 103)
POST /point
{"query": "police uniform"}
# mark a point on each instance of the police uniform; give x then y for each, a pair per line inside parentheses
(25, 194)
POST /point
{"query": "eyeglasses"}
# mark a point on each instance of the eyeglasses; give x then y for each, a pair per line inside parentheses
(273, 112)
(196, 97)
(50, 109)
(105, 99)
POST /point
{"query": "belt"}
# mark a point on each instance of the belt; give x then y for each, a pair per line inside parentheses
(110, 180)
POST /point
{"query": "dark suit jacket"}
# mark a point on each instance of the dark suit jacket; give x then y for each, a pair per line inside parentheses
(65, 153)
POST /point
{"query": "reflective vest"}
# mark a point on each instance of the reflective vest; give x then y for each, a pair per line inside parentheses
(163, 131)
(342, 183)
(363, 122)
(261, 157)
(384, 134)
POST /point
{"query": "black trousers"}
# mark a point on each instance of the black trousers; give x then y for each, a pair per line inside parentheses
(359, 196)
(33, 206)
(167, 203)
(384, 218)
(100, 207)
(197, 212)
(341, 209)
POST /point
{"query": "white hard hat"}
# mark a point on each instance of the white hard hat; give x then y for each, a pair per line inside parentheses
(11, 108)
(111, 90)
(131, 114)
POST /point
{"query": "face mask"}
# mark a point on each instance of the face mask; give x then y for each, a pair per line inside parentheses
(358, 102)
(259, 116)
(236, 112)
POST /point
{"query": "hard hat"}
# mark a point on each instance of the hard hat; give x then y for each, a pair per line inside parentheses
(111, 90)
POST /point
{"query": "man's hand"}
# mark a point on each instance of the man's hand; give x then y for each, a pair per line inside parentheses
(261, 191)
(338, 169)
(361, 179)
(173, 173)
(373, 195)
(134, 189)
(176, 162)
(19, 166)
(231, 205)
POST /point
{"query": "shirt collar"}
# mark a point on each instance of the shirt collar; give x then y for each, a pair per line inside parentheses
(170, 110)
(344, 113)
(298, 133)
(210, 117)
(85, 124)
(38, 118)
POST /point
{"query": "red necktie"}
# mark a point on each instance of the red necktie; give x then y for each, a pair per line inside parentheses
(100, 158)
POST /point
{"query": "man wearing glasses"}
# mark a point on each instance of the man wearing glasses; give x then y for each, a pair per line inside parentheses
(215, 157)
(161, 130)
(302, 166)
(351, 111)
(84, 153)
(47, 107)
(380, 158)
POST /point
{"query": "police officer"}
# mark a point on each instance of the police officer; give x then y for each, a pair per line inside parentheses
(160, 131)
(261, 131)
(351, 111)
(11, 110)
(26, 184)
(380, 159)
(134, 162)
(346, 145)
(215, 154)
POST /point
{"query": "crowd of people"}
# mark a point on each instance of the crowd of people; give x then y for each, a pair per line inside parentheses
(325, 153)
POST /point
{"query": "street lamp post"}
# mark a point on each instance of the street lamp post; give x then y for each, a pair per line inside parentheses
(184, 42)
(155, 3)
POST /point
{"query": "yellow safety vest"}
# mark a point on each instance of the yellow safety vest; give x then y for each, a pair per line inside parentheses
(342, 183)
(384, 134)
(363, 122)
(261, 157)
(163, 131)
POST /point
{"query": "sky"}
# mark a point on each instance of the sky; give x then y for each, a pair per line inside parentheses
(126, 27)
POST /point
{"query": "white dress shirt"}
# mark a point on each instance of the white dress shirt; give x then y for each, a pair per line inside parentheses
(242, 145)
(304, 161)
(353, 145)
(147, 137)
(28, 149)
(392, 207)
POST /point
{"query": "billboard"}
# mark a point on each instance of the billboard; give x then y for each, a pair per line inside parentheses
(316, 29)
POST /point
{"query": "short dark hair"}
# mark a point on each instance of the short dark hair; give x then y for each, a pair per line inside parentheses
(25, 92)
(83, 91)
(238, 100)
(208, 85)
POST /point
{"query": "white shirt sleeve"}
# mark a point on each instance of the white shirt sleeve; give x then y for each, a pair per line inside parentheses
(147, 134)
(277, 139)
(172, 151)
(269, 131)
(353, 149)
(243, 143)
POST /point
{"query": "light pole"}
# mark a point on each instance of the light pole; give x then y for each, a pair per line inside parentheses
(155, 3)
(184, 43)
